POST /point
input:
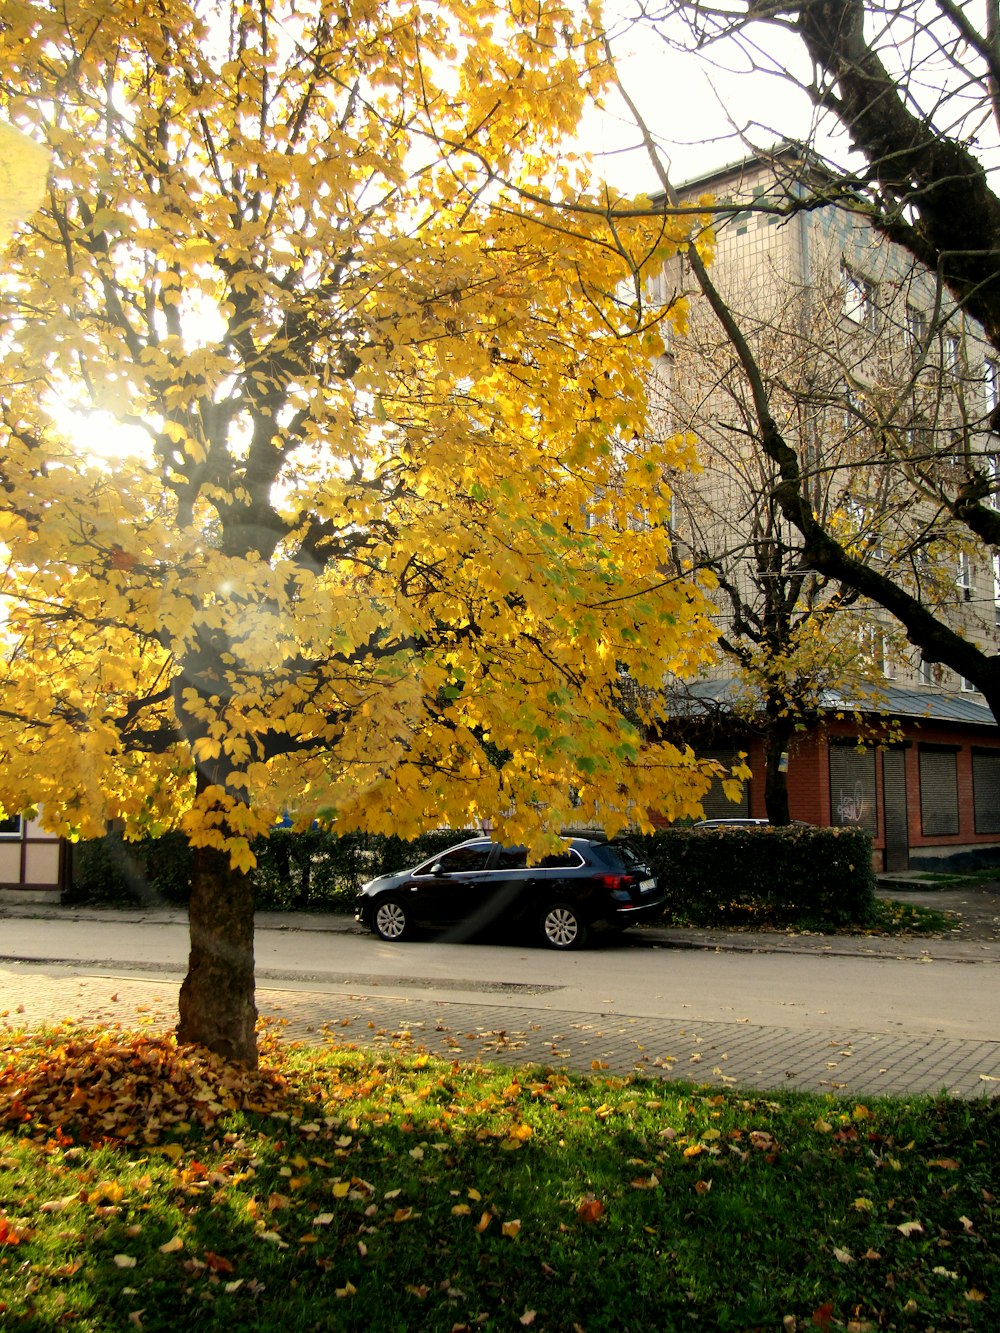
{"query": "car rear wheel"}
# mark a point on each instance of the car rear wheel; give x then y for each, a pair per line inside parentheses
(390, 920)
(562, 927)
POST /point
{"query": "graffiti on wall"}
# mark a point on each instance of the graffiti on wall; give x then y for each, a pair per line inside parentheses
(850, 806)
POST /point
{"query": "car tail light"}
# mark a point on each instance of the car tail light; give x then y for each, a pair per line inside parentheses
(613, 882)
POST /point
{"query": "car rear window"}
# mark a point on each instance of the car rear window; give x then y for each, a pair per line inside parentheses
(617, 855)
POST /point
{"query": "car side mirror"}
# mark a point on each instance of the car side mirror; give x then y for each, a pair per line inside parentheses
(436, 868)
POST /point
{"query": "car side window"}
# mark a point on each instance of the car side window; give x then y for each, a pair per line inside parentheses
(511, 858)
(561, 860)
(461, 860)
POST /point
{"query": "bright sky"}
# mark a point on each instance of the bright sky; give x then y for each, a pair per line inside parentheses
(696, 109)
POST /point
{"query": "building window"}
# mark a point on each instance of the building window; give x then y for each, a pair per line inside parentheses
(917, 328)
(968, 686)
(10, 828)
(991, 373)
(875, 650)
(852, 786)
(964, 578)
(938, 791)
(920, 440)
(991, 466)
(951, 355)
(861, 519)
(860, 299)
(986, 790)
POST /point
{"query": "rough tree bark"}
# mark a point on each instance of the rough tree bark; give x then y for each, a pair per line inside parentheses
(776, 742)
(217, 1006)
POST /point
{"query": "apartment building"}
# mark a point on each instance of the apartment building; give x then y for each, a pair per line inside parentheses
(889, 397)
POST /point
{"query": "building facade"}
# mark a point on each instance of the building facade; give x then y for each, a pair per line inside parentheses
(889, 397)
(33, 863)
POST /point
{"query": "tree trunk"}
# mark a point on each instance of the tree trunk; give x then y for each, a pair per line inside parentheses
(775, 774)
(217, 1008)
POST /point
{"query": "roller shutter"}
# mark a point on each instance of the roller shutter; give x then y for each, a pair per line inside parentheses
(938, 791)
(852, 787)
(986, 790)
(717, 804)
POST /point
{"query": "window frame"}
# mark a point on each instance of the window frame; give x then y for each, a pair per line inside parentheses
(860, 298)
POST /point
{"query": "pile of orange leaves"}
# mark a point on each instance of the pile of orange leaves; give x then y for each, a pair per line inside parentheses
(113, 1087)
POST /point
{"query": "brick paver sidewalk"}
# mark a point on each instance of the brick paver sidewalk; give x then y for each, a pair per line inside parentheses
(851, 1063)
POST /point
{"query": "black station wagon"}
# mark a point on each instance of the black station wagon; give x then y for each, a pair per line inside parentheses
(479, 888)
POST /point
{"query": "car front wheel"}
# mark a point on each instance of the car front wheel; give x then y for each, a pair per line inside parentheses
(562, 927)
(390, 920)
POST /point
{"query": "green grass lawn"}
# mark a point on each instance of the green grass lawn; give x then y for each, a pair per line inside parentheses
(892, 917)
(146, 1188)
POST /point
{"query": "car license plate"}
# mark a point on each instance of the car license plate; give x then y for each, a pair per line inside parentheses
(647, 886)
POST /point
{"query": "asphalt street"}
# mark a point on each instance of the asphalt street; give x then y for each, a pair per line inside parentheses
(882, 1016)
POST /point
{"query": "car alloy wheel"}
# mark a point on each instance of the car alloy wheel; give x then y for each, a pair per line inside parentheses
(562, 927)
(390, 920)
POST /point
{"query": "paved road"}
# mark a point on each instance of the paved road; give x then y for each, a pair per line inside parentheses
(455, 1009)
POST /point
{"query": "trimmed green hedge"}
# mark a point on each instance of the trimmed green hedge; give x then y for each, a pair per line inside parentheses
(110, 870)
(321, 872)
(813, 878)
(313, 871)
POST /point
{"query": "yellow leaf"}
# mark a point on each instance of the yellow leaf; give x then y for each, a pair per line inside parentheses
(206, 748)
(511, 1228)
(24, 166)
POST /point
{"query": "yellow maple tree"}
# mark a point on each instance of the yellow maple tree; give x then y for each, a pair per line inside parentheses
(387, 538)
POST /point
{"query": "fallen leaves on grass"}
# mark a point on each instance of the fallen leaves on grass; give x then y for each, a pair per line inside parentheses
(590, 1210)
(12, 1233)
(109, 1087)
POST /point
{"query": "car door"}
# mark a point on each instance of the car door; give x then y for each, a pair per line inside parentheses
(499, 893)
(449, 888)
